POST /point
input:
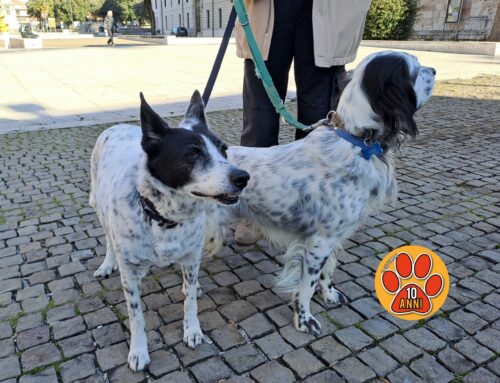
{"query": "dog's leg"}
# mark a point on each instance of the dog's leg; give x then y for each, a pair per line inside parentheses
(316, 254)
(193, 336)
(138, 356)
(109, 265)
(199, 290)
(329, 293)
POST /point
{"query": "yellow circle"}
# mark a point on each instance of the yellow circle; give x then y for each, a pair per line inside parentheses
(413, 287)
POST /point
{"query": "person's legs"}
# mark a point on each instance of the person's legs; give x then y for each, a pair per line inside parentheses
(260, 120)
(315, 85)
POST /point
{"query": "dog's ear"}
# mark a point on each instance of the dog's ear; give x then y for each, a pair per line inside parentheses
(390, 92)
(344, 78)
(196, 108)
(153, 127)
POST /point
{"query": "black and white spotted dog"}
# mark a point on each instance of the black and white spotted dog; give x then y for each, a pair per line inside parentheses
(150, 190)
(312, 194)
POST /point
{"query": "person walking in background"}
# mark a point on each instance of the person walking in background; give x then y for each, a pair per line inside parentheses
(320, 37)
(110, 27)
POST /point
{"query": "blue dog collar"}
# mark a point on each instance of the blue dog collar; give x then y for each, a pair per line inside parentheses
(367, 151)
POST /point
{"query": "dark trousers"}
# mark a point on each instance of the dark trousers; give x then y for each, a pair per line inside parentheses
(111, 35)
(317, 88)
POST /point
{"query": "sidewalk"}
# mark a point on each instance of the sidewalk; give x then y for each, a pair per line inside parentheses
(86, 86)
(59, 324)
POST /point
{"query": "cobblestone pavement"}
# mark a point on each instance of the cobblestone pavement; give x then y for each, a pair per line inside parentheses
(58, 323)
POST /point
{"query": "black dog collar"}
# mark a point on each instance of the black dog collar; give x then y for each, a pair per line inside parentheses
(153, 214)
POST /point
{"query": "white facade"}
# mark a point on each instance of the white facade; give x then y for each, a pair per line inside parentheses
(175, 13)
(214, 15)
(204, 18)
(14, 12)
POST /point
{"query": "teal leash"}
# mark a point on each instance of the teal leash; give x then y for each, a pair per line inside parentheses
(261, 70)
(368, 148)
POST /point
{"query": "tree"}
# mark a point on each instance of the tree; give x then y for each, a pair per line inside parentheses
(141, 13)
(405, 26)
(72, 10)
(123, 10)
(41, 9)
(149, 8)
(390, 19)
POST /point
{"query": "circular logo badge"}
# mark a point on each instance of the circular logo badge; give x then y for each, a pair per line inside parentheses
(412, 282)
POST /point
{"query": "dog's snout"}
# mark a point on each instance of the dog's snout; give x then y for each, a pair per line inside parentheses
(239, 178)
(433, 71)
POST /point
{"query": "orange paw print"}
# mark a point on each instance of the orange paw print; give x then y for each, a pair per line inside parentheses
(412, 298)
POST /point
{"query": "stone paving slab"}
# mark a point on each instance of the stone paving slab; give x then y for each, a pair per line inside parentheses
(59, 324)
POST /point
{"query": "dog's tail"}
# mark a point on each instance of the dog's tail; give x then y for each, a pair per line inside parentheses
(289, 278)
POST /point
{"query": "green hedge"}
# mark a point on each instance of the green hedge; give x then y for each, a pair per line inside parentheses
(390, 19)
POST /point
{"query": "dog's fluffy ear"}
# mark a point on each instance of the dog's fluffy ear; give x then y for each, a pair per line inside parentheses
(387, 84)
(196, 108)
(153, 126)
(344, 78)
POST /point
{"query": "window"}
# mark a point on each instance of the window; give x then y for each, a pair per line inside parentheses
(208, 18)
(180, 24)
(165, 3)
(178, 1)
(187, 16)
(156, 4)
(166, 22)
(220, 17)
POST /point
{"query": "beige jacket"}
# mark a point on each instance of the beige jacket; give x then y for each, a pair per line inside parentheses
(337, 27)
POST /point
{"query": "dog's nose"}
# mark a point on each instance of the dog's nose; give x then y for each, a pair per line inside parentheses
(433, 71)
(239, 178)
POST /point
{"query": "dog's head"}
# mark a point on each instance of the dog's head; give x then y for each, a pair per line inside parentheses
(190, 158)
(386, 90)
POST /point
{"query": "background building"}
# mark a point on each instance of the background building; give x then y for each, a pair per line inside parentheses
(175, 13)
(205, 18)
(214, 16)
(476, 19)
(15, 13)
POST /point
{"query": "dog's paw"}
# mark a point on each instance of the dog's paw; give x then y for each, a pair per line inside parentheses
(332, 296)
(193, 337)
(306, 323)
(138, 359)
(105, 270)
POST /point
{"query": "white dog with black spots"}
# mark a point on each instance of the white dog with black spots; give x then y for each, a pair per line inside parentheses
(150, 189)
(312, 194)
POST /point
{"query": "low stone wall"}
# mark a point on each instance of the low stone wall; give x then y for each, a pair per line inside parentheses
(463, 47)
(4, 40)
(173, 40)
(20, 43)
